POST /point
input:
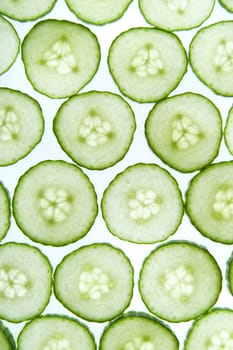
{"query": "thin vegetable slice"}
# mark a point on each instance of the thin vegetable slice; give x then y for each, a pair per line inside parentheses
(7, 341)
(95, 128)
(9, 45)
(228, 4)
(147, 63)
(60, 57)
(5, 211)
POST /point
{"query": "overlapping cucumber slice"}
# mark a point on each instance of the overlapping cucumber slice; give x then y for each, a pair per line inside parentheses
(21, 125)
(137, 331)
(142, 204)
(98, 12)
(179, 281)
(147, 63)
(95, 128)
(26, 10)
(185, 131)
(60, 57)
(228, 131)
(25, 281)
(209, 202)
(9, 45)
(211, 57)
(95, 282)
(55, 332)
(176, 14)
(7, 341)
(54, 203)
(5, 211)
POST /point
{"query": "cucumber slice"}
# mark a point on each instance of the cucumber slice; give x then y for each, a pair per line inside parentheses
(26, 10)
(141, 61)
(25, 281)
(95, 282)
(212, 331)
(60, 57)
(229, 274)
(179, 281)
(21, 125)
(6, 338)
(55, 332)
(185, 131)
(5, 211)
(209, 202)
(211, 57)
(9, 45)
(227, 4)
(95, 128)
(54, 203)
(228, 131)
(100, 11)
(143, 204)
(176, 14)
(137, 331)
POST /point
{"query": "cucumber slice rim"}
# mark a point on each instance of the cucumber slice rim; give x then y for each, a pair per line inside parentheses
(225, 133)
(80, 162)
(31, 18)
(227, 7)
(100, 22)
(8, 335)
(168, 90)
(6, 194)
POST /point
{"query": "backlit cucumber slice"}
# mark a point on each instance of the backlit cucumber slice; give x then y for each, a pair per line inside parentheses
(228, 4)
(54, 203)
(25, 282)
(9, 45)
(137, 331)
(5, 211)
(55, 332)
(176, 14)
(21, 125)
(228, 131)
(211, 57)
(147, 63)
(179, 281)
(60, 57)
(213, 331)
(210, 200)
(95, 128)
(7, 341)
(25, 10)
(185, 131)
(95, 282)
(98, 11)
(143, 204)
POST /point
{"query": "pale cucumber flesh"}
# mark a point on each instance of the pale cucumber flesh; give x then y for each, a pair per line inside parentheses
(9, 44)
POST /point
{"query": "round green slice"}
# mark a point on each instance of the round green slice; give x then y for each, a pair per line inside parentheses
(211, 57)
(213, 331)
(95, 282)
(9, 45)
(179, 281)
(5, 211)
(185, 131)
(54, 203)
(7, 341)
(228, 131)
(176, 14)
(141, 61)
(142, 204)
(98, 11)
(137, 330)
(60, 57)
(95, 128)
(227, 4)
(21, 125)
(209, 202)
(55, 332)
(25, 10)
(25, 281)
